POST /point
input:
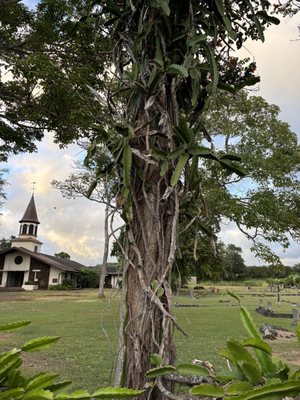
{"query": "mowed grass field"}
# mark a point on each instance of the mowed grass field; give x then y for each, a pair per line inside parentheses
(88, 327)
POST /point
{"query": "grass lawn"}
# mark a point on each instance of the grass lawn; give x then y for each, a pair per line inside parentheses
(88, 328)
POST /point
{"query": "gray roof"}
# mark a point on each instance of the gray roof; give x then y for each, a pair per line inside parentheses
(30, 214)
(52, 261)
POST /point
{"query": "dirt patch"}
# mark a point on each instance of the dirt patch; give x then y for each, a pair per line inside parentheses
(33, 362)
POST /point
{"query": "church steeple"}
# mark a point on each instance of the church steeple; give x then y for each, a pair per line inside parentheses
(29, 222)
(28, 229)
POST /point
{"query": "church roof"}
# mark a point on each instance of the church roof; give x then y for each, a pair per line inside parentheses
(51, 261)
(30, 214)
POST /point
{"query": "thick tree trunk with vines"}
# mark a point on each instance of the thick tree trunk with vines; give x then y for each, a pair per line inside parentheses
(148, 323)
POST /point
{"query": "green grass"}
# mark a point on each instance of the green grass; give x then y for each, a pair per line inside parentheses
(88, 328)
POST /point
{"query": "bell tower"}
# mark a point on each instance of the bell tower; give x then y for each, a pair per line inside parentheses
(28, 229)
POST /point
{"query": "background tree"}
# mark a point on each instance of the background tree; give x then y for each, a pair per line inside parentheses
(234, 265)
(78, 184)
(6, 243)
(63, 255)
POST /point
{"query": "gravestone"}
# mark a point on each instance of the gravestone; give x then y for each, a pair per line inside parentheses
(295, 316)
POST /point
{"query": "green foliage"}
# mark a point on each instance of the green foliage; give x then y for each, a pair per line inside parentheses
(43, 385)
(253, 375)
(63, 255)
(67, 284)
(88, 278)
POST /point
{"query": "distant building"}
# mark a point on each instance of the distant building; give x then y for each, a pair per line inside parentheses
(24, 263)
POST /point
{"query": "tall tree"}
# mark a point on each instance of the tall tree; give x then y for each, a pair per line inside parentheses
(151, 67)
(234, 264)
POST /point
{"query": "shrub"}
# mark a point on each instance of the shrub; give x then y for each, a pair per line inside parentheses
(30, 283)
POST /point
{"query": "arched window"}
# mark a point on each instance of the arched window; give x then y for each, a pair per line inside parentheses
(31, 227)
(24, 229)
(35, 230)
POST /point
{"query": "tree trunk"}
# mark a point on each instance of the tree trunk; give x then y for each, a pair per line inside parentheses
(105, 255)
(148, 321)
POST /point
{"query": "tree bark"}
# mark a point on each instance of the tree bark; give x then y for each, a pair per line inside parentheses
(105, 255)
(147, 324)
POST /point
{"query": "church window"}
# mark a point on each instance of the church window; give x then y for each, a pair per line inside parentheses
(18, 260)
(35, 230)
(31, 227)
(24, 229)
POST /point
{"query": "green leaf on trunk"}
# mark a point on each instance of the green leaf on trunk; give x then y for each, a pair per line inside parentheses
(178, 70)
(164, 5)
(202, 151)
(155, 359)
(183, 158)
(233, 167)
(160, 371)
(213, 66)
(207, 390)
(127, 162)
(196, 40)
(40, 343)
(14, 325)
(116, 393)
(192, 369)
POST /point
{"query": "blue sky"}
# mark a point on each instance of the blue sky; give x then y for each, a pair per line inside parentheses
(76, 226)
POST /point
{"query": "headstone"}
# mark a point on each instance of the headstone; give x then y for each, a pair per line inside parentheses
(269, 306)
(295, 316)
(261, 302)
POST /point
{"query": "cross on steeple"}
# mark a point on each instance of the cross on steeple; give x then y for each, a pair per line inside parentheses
(33, 186)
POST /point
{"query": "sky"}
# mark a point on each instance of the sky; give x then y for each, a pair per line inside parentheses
(76, 226)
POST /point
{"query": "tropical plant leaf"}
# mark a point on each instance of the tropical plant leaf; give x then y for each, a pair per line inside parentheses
(196, 40)
(116, 393)
(164, 5)
(127, 162)
(192, 369)
(77, 395)
(39, 394)
(40, 381)
(14, 325)
(8, 356)
(178, 70)
(233, 167)
(40, 343)
(267, 392)
(221, 8)
(57, 387)
(236, 388)
(183, 158)
(201, 151)
(11, 394)
(258, 344)
(231, 156)
(156, 359)
(213, 66)
(160, 371)
(207, 390)
(233, 295)
(251, 372)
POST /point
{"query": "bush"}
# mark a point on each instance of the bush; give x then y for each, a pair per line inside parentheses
(30, 283)
(67, 284)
